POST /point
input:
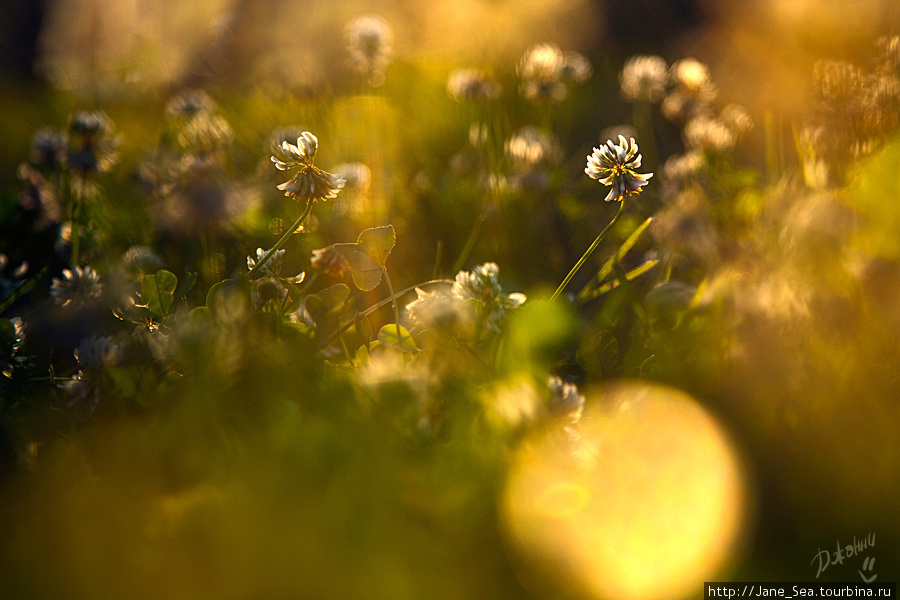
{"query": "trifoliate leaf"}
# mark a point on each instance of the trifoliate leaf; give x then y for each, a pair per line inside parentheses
(157, 292)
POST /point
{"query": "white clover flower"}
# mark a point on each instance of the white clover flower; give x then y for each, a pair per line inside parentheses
(541, 61)
(48, 148)
(369, 42)
(566, 402)
(576, 68)
(530, 146)
(615, 165)
(737, 119)
(438, 309)
(271, 285)
(541, 71)
(141, 259)
(707, 133)
(188, 103)
(78, 287)
(95, 143)
(309, 183)
(643, 78)
(693, 90)
(472, 85)
(207, 133)
(482, 284)
(81, 388)
(96, 352)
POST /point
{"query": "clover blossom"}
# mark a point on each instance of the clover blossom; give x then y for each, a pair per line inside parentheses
(614, 165)
(309, 183)
(77, 288)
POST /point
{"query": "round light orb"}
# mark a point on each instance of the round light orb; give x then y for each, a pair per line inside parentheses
(645, 500)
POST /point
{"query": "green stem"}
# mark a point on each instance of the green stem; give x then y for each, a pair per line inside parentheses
(77, 201)
(281, 242)
(387, 280)
(585, 256)
(470, 243)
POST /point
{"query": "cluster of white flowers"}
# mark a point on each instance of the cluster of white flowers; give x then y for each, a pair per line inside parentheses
(547, 72)
(452, 308)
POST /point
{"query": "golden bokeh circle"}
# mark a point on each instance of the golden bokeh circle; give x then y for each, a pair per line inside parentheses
(646, 500)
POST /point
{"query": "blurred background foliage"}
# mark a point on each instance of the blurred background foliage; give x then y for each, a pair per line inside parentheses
(235, 454)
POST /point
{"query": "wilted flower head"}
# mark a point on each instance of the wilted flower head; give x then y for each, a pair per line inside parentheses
(309, 183)
(615, 165)
(530, 146)
(643, 78)
(48, 148)
(369, 42)
(95, 144)
(329, 261)
(566, 401)
(472, 85)
(77, 288)
(189, 103)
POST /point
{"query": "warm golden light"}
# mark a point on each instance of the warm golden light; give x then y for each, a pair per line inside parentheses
(647, 504)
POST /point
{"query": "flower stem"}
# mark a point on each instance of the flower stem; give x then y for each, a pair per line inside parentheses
(281, 242)
(387, 280)
(585, 256)
(77, 201)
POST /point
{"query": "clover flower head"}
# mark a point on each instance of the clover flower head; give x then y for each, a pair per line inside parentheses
(141, 259)
(541, 69)
(439, 309)
(693, 90)
(309, 183)
(837, 79)
(206, 133)
(369, 42)
(271, 285)
(48, 148)
(690, 74)
(566, 401)
(272, 268)
(189, 103)
(77, 288)
(9, 360)
(576, 68)
(472, 85)
(530, 146)
(95, 146)
(483, 284)
(643, 78)
(329, 261)
(541, 61)
(708, 133)
(737, 119)
(95, 352)
(614, 165)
